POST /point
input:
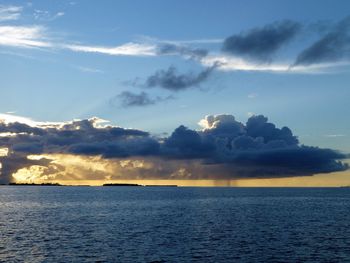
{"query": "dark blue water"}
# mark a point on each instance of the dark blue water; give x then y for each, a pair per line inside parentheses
(139, 224)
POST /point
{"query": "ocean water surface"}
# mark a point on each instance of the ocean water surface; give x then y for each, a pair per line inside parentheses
(164, 224)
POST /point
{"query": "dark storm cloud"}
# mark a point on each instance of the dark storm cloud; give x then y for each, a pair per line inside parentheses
(131, 99)
(225, 148)
(187, 144)
(171, 80)
(172, 49)
(262, 43)
(260, 149)
(258, 126)
(119, 149)
(17, 127)
(15, 161)
(287, 161)
(333, 46)
(80, 137)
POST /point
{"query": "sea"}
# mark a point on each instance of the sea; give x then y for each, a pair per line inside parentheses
(174, 224)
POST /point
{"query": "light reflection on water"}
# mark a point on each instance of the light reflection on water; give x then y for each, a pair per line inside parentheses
(145, 224)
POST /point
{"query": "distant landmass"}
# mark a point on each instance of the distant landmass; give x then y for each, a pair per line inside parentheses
(108, 184)
(31, 184)
(139, 185)
(165, 185)
(122, 185)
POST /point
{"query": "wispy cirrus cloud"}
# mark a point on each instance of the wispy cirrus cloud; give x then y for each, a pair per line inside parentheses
(253, 95)
(197, 41)
(10, 12)
(88, 69)
(44, 15)
(181, 50)
(334, 135)
(24, 36)
(203, 41)
(35, 36)
(233, 63)
(128, 49)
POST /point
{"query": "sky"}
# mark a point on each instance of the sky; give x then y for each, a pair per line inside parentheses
(203, 92)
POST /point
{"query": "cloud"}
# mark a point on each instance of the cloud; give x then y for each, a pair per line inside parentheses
(186, 144)
(334, 135)
(77, 137)
(203, 41)
(88, 69)
(332, 47)
(43, 15)
(128, 49)
(23, 36)
(13, 162)
(19, 128)
(234, 63)
(248, 51)
(262, 43)
(142, 49)
(34, 36)
(130, 99)
(224, 148)
(173, 49)
(260, 149)
(253, 95)
(171, 80)
(10, 12)
(196, 41)
(10, 118)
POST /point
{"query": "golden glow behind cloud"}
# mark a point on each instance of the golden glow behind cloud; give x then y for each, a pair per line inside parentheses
(80, 170)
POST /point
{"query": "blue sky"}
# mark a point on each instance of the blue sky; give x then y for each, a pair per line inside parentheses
(64, 60)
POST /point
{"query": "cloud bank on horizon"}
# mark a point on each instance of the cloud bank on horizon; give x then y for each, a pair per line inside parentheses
(223, 149)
